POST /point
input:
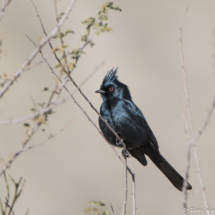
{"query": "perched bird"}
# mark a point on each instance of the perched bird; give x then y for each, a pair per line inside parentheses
(128, 121)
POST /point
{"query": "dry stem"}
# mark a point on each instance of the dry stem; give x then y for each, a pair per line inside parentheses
(40, 46)
(192, 139)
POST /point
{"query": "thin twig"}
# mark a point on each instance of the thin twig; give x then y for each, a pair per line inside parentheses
(16, 194)
(1, 206)
(184, 118)
(188, 110)
(52, 105)
(112, 208)
(15, 155)
(8, 190)
(184, 76)
(39, 47)
(48, 138)
(7, 186)
(3, 7)
(191, 140)
(133, 194)
(27, 212)
(6, 203)
(44, 31)
(126, 188)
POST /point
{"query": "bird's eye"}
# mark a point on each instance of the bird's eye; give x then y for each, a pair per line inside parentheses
(110, 89)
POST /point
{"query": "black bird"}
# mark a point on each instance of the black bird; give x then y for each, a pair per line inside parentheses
(128, 121)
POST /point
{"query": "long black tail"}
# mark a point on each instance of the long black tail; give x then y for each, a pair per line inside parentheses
(175, 178)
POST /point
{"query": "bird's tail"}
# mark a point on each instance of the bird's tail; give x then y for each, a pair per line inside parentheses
(175, 178)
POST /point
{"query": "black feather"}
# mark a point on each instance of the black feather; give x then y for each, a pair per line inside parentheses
(111, 75)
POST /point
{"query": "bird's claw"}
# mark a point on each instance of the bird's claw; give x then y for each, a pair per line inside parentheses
(125, 153)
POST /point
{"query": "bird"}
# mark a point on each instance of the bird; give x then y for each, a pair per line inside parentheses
(127, 120)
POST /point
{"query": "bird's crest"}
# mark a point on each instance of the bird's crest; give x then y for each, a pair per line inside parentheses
(111, 75)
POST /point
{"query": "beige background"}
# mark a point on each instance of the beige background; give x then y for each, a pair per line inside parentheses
(78, 166)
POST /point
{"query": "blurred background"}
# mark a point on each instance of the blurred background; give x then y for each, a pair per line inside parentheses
(78, 166)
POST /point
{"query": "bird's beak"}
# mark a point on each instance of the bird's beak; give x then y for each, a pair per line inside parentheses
(100, 91)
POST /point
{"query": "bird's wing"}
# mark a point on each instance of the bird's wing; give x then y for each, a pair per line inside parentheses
(140, 120)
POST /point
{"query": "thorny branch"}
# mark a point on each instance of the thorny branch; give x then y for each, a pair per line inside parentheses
(192, 139)
(190, 125)
(133, 194)
(52, 106)
(35, 52)
(126, 188)
(17, 194)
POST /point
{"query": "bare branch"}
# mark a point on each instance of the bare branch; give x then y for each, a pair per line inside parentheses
(15, 155)
(5, 3)
(126, 188)
(191, 140)
(52, 105)
(112, 208)
(1, 206)
(7, 186)
(16, 194)
(40, 46)
(48, 138)
(184, 75)
(27, 212)
(6, 203)
(190, 126)
(133, 194)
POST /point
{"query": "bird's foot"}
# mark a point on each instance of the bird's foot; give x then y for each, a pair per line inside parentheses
(125, 153)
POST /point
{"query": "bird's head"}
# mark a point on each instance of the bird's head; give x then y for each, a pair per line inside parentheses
(111, 87)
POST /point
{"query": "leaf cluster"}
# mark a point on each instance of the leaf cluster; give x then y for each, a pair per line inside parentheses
(95, 208)
(99, 22)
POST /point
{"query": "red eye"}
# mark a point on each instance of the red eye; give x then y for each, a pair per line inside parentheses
(110, 88)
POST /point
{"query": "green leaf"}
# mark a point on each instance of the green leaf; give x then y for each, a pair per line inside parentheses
(55, 49)
(87, 210)
(91, 43)
(69, 32)
(61, 14)
(71, 65)
(41, 104)
(106, 28)
(102, 204)
(57, 66)
(64, 46)
(84, 38)
(93, 203)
